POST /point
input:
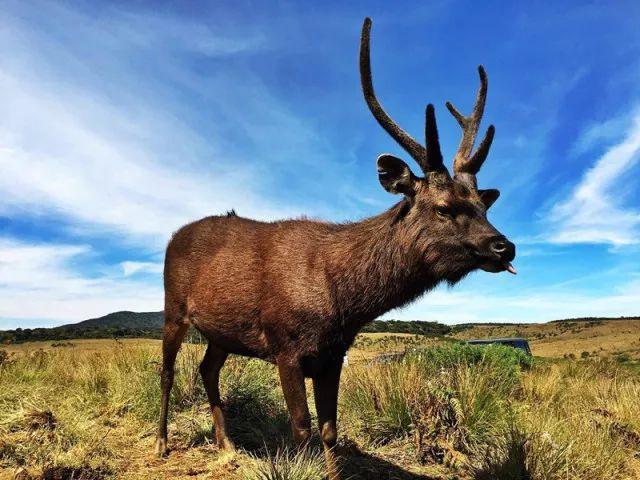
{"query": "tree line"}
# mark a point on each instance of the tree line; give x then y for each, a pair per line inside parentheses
(71, 332)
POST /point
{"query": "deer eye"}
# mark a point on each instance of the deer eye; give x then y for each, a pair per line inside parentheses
(444, 212)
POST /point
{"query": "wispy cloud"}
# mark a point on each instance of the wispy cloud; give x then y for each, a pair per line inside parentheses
(171, 33)
(132, 268)
(603, 132)
(122, 156)
(596, 211)
(41, 281)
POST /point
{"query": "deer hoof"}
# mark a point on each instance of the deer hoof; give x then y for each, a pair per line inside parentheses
(226, 444)
(161, 447)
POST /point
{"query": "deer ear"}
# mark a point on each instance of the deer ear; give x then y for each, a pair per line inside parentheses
(489, 196)
(395, 175)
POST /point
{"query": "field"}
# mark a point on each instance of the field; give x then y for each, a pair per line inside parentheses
(618, 339)
(86, 409)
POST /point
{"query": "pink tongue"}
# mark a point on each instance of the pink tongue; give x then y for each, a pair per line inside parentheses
(510, 268)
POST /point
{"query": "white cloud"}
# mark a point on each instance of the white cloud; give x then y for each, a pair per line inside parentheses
(131, 268)
(595, 211)
(539, 305)
(155, 30)
(599, 133)
(40, 281)
(61, 157)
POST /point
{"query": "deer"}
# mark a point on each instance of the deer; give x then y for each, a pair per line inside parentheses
(297, 292)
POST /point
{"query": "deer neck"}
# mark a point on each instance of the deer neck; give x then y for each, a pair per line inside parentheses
(376, 267)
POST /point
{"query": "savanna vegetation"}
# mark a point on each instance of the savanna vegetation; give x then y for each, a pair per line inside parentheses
(445, 411)
(615, 339)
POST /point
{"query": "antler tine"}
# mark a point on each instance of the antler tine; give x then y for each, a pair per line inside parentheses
(480, 155)
(413, 148)
(463, 161)
(434, 155)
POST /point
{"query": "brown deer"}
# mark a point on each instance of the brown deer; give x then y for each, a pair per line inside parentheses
(296, 292)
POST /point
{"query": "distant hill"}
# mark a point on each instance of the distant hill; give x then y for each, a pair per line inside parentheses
(594, 319)
(149, 325)
(124, 319)
(416, 327)
(118, 324)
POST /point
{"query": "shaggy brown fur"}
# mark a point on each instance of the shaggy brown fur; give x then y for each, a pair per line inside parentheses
(297, 292)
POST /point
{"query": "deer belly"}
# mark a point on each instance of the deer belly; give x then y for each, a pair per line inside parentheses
(240, 336)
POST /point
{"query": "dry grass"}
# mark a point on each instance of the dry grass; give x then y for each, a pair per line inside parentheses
(89, 411)
(571, 420)
(606, 338)
(103, 403)
(369, 345)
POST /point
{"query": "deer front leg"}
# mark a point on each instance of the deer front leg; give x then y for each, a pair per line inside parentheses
(295, 395)
(325, 391)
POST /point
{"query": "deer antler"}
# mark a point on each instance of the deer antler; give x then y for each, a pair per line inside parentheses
(463, 161)
(428, 158)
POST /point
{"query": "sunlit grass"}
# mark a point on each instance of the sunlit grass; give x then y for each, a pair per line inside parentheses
(483, 413)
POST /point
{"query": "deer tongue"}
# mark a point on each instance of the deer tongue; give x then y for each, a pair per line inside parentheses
(510, 268)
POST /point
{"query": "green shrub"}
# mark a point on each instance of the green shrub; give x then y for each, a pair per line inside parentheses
(623, 358)
(449, 397)
(504, 364)
(254, 403)
(454, 353)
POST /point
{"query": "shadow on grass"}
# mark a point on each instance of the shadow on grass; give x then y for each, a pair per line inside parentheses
(267, 434)
(263, 437)
(256, 434)
(258, 423)
(359, 465)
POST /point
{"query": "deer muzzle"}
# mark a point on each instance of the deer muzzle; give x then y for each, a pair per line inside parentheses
(495, 254)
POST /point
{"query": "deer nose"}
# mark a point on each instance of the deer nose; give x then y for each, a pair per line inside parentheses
(503, 248)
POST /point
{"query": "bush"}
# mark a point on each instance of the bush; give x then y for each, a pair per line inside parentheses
(254, 403)
(446, 398)
(502, 363)
(623, 358)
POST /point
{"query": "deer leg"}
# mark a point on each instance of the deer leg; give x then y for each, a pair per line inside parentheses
(174, 333)
(295, 395)
(210, 367)
(325, 391)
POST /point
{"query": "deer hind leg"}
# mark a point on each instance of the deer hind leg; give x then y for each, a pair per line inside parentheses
(325, 391)
(210, 367)
(292, 380)
(174, 332)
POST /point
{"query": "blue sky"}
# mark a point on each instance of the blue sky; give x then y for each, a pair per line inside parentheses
(122, 121)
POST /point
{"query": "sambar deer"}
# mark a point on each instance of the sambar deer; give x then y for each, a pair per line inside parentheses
(296, 292)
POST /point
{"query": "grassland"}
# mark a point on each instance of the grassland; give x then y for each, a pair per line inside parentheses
(87, 409)
(598, 338)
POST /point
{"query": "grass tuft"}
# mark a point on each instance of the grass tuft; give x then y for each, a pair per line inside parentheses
(286, 465)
